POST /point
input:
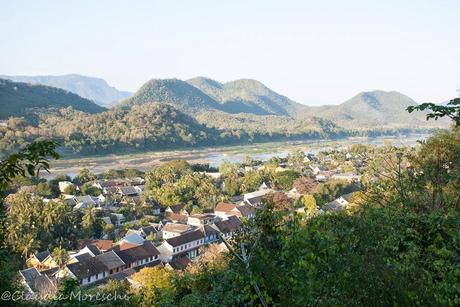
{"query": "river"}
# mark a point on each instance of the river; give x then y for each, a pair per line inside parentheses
(216, 155)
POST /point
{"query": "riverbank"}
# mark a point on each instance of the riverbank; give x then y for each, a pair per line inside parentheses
(215, 155)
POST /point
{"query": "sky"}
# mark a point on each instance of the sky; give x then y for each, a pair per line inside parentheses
(315, 52)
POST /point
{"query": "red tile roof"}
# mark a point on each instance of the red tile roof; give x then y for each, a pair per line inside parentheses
(224, 207)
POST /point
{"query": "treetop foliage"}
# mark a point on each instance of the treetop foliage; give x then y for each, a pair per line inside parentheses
(451, 110)
(29, 161)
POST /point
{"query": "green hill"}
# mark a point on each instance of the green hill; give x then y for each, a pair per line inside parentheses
(150, 126)
(247, 96)
(17, 98)
(272, 127)
(177, 93)
(173, 113)
(374, 109)
(91, 88)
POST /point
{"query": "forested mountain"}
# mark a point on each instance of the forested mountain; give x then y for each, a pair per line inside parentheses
(91, 88)
(175, 92)
(247, 96)
(272, 127)
(376, 108)
(243, 96)
(173, 113)
(17, 98)
(151, 126)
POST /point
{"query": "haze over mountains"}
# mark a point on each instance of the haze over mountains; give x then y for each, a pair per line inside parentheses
(95, 89)
(376, 108)
(16, 98)
(197, 112)
(247, 96)
(200, 95)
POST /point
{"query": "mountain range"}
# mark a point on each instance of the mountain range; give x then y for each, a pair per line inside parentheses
(195, 112)
(17, 99)
(247, 96)
(200, 96)
(376, 108)
(95, 89)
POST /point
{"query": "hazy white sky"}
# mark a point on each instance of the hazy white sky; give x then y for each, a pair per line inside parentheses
(315, 52)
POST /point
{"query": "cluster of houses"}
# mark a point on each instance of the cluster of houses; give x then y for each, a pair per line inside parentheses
(112, 192)
(174, 242)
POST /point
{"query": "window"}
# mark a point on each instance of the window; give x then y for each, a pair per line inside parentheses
(103, 274)
(89, 279)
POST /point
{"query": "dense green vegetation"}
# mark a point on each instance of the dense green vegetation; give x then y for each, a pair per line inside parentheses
(272, 127)
(175, 183)
(94, 89)
(149, 126)
(16, 99)
(153, 126)
(451, 110)
(377, 108)
(392, 248)
(29, 161)
(178, 93)
(397, 246)
(33, 225)
(248, 96)
(154, 118)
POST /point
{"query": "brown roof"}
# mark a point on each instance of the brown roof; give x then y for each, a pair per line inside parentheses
(110, 259)
(232, 224)
(186, 238)
(224, 207)
(180, 263)
(129, 190)
(209, 230)
(111, 190)
(38, 282)
(126, 245)
(176, 217)
(177, 228)
(83, 257)
(94, 249)
(87, 268)
(177, 208)
(137, 253)
(101, 244)
(111, 183)
(246, 210)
